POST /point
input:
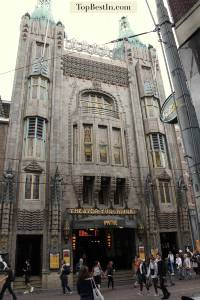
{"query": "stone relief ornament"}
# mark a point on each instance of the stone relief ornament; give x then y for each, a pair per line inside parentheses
(8, 180)
(40, 67)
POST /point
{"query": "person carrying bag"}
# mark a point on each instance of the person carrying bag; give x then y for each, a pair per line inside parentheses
(96, 292)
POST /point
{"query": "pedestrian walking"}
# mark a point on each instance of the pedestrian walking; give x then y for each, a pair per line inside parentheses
(171, 262)
(179, 266)
(27, 274)
(9, 278)
(152, 273)
(109, 273)
(84, 284)
(97, 271)
(187, 266)
(162, 276)
(142, 276)
(65, 271)
(79, 265)
(136, 264)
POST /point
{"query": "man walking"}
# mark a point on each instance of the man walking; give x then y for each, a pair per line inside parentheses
(9, 278)
(161, 276)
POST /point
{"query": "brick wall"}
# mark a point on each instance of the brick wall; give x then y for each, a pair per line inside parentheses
(179, 8)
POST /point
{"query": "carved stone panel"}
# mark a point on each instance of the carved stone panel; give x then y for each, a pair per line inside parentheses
(95, 71)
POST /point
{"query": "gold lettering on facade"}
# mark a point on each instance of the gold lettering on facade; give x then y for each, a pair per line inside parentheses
(106, 211)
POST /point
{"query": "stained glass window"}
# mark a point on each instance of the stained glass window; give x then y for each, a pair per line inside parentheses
(117, 146)
(103, 143)
(88, 142)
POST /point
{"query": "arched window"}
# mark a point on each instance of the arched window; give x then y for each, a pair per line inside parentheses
(98, 103)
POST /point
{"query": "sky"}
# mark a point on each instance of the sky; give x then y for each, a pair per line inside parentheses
(98, 28)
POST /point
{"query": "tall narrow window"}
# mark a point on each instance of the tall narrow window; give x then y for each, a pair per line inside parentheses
(88, 142)
(35, 137)
(39, 88)
(88, 182)
(32, 187)
(120, 191)
(103, 144)
(164, 191)
(117, 146)
(158, 150)
(75, 143)
(104, 191)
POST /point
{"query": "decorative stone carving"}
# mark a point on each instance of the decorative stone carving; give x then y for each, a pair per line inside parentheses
(78, 187)
(40, 67)
(31, 220)
(112, 190)
(8, 186)
(94, 70)
(56, 181)
(95, 49)
(97, 187)
(33, 167)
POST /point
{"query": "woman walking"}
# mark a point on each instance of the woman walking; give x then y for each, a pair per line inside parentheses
(65, 271)
(84, 284)
(142, 275)
(97, 271)
(153, 274)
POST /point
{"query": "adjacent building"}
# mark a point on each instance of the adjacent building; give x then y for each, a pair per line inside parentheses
(187, 23)
(90, 171)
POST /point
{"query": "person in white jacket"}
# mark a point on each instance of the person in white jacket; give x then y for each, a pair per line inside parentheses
(179, 266)
(152, 273)
(187, 265)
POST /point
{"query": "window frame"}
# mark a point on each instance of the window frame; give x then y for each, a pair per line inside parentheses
(162, 184)
(33, 184)
(39, 83)
(158, 149)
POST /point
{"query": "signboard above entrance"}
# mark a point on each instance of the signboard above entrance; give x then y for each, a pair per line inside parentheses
(106, 211)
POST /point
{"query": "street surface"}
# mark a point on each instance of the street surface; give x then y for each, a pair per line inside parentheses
(189, 288)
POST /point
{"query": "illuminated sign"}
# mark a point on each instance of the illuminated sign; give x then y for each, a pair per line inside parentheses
(54, 261)
(106, 211)
(168, 112)
(66, 256)
(110, 222)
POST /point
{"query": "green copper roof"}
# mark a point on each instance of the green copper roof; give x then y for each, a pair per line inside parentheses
(42, 13)
(125, 31)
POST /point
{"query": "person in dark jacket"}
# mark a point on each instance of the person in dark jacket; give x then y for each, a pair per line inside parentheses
(27, 274)
(9, 278)
(109, 273)
(65, 271)
(84, 284)
(162, 275)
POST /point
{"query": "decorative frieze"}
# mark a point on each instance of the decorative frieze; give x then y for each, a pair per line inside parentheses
(30, 220)
(95, 71)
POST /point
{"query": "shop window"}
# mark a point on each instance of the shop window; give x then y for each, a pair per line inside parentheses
(117, 146)
(103, 144)
(35, 137)
(88, 183)
(164, 188)
(104, 191)
(32, 184)
(88, 142)
(119, 192)
(158, 150)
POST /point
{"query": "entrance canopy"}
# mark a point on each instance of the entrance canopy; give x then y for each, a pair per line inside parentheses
(103, 222)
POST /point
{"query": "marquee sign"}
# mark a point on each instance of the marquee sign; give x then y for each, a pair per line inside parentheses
(106, 211)
(168, 112)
